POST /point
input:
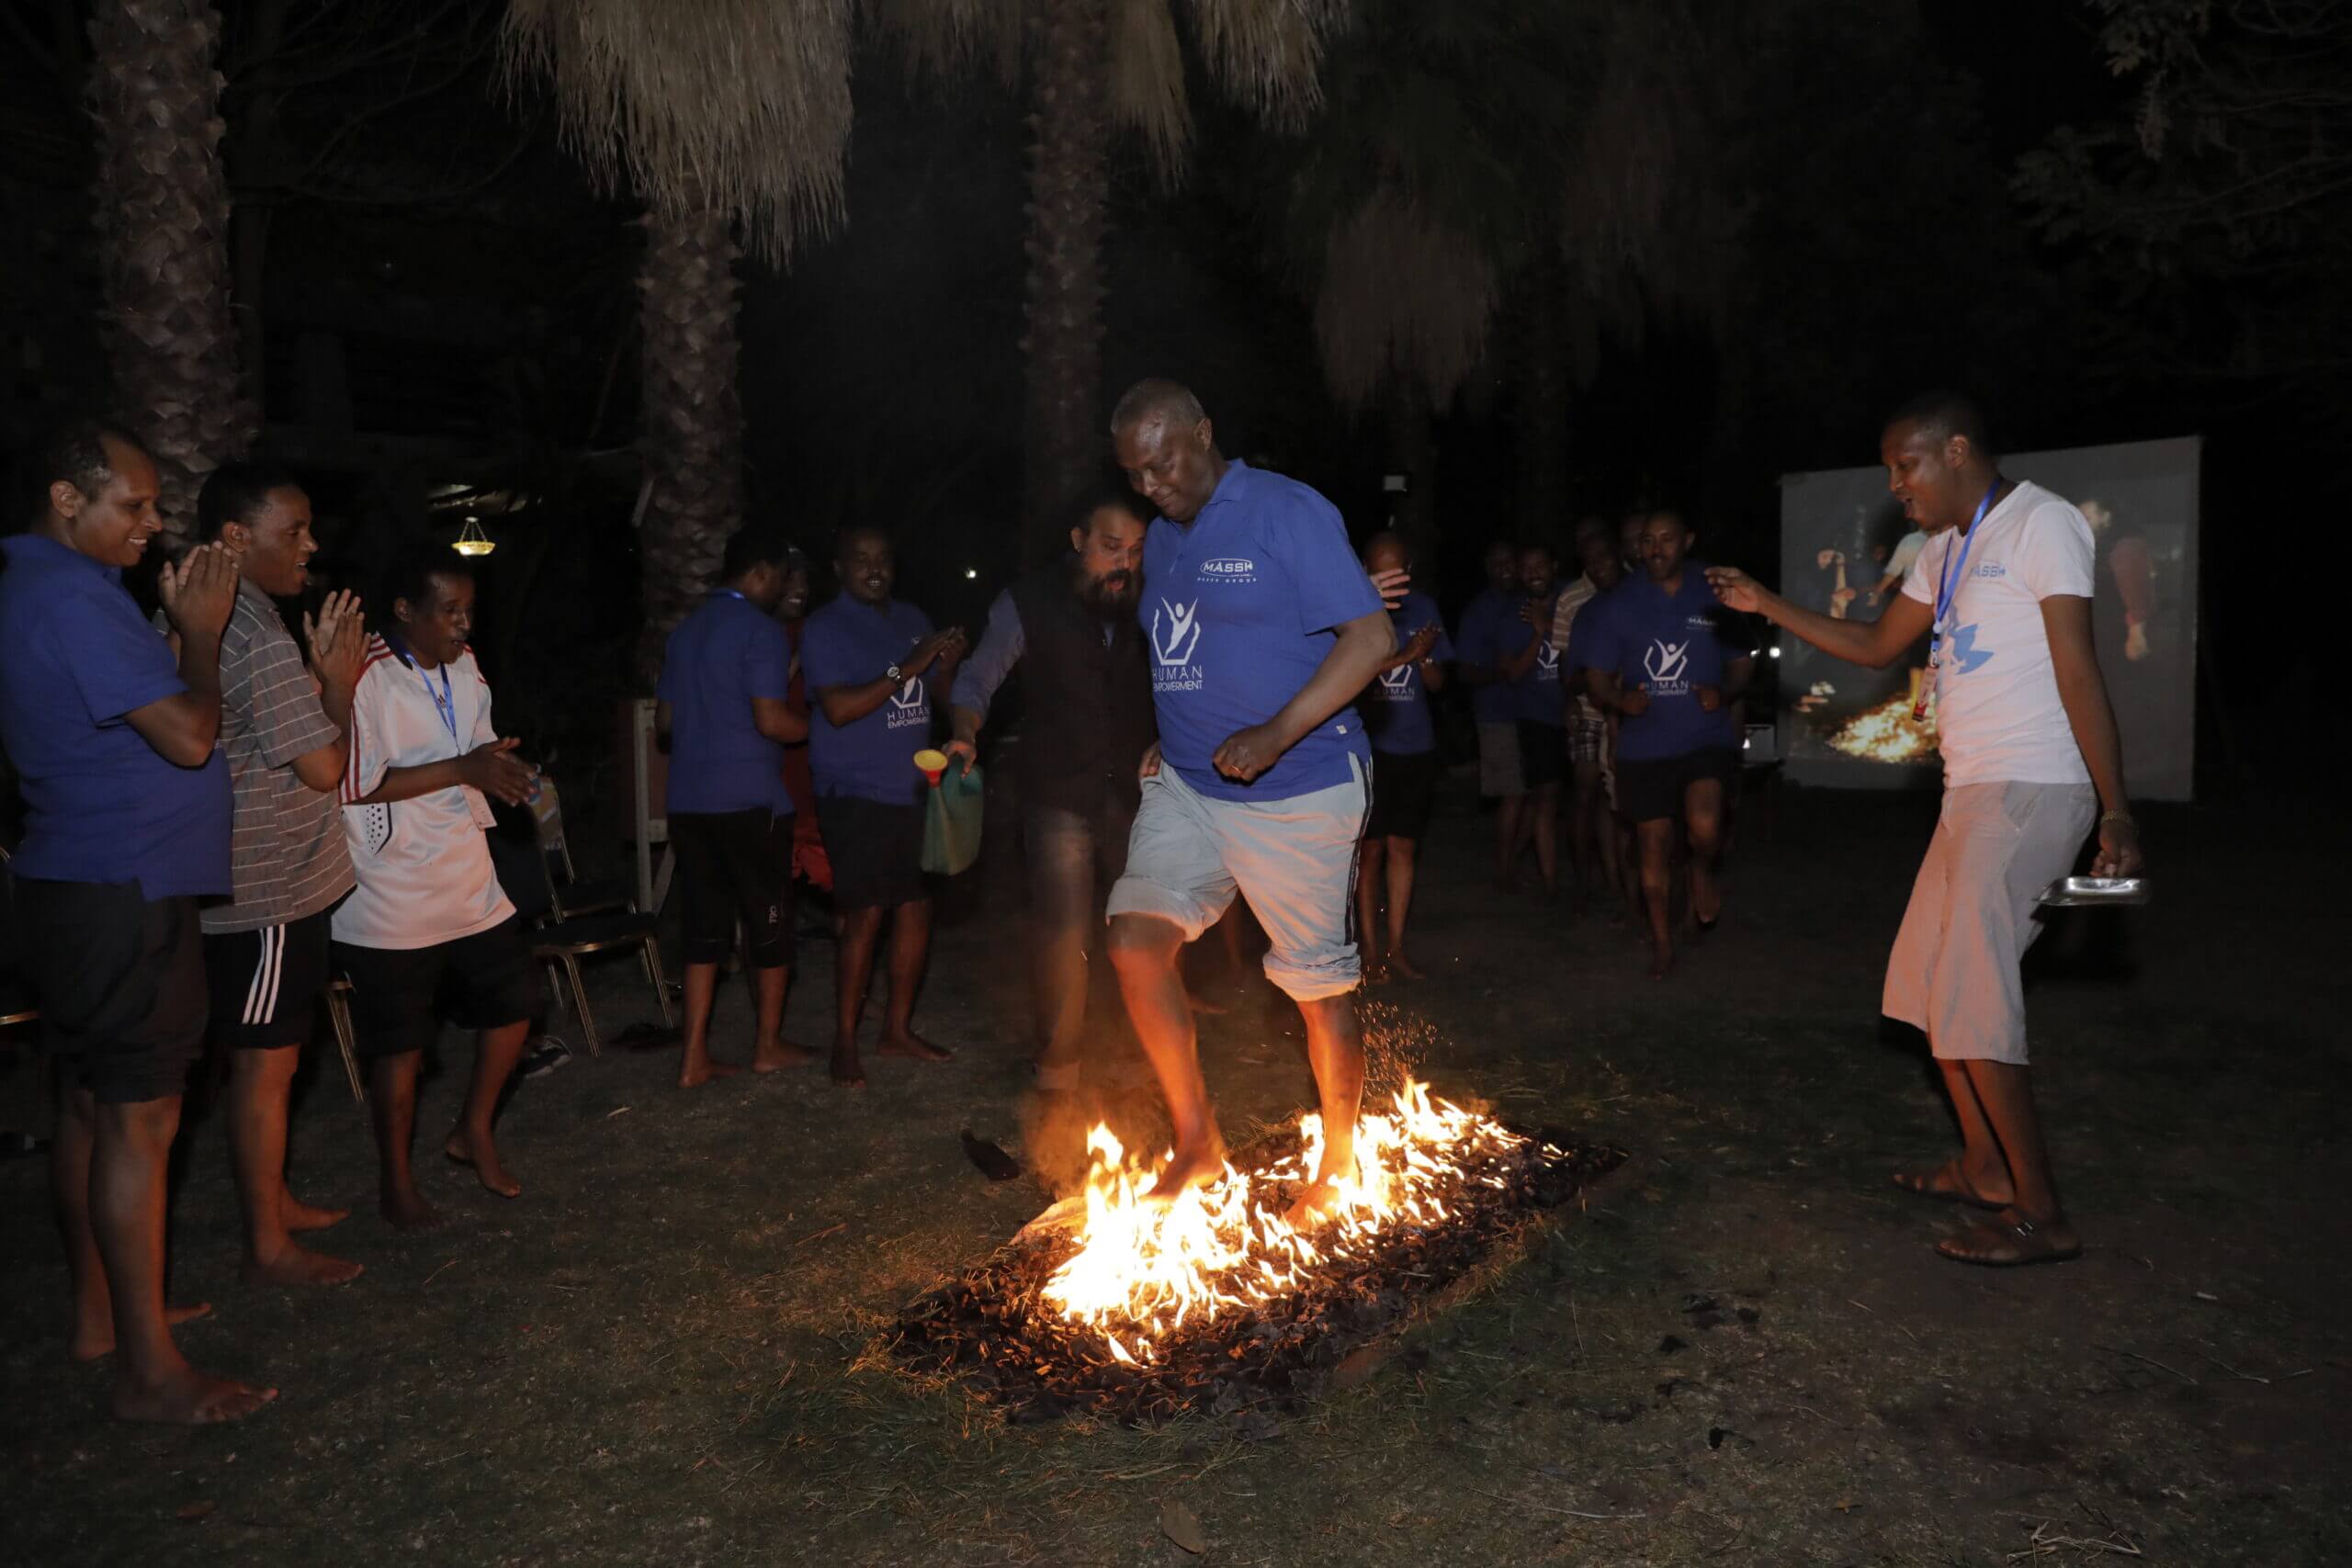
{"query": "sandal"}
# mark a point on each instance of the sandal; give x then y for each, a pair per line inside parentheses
(2028, 1243)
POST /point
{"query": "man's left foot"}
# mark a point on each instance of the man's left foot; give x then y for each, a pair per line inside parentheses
(1661, 960)
(100, 1341)
(299, 1266)
(913, 1046)
(693, 1075)
(298, 1217)
(1404, 968)
(2011, 1241)
(483, 1157)
(782, 1055)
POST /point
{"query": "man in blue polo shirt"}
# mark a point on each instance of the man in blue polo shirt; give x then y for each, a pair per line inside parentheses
(115, 744)
(1668, 659)
(1405, 762)
(872, 662)
(725, 681)
(1261, 628)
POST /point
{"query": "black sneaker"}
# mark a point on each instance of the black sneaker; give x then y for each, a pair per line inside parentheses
(542, 1056)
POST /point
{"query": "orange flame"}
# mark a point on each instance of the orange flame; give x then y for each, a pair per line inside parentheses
(1143, 1268)
(1887, 733)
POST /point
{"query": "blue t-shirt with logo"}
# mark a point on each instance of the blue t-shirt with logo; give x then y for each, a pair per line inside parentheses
(727, 652)
(1238, 607)
(848, 644)
(1491, 630)
(1535, 695)
(1396, 706)
(1672, 644)
(100, 804)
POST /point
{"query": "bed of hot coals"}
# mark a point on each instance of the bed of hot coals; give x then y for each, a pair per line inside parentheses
(1120, 1305)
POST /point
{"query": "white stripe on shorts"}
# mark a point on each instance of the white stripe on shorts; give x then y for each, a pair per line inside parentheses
(261, 997)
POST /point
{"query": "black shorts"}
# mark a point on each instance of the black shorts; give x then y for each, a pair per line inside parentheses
(267, 982)
(876, 851)
(1402, 785)
(735, 866)
(1542, 752)
(1647, 791)
(119, 979)
(399, 995)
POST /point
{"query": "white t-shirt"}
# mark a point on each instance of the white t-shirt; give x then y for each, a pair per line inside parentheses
(1997, 712)
(1906, 553)
(425, 875)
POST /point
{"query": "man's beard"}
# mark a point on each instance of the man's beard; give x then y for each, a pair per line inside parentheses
(1114, 592)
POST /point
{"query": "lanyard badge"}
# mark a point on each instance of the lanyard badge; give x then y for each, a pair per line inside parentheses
(1948, 581)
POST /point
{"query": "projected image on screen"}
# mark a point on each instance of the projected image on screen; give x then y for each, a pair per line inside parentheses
(1846, 548)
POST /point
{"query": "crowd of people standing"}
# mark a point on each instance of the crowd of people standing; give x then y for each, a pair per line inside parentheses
(1226, 703)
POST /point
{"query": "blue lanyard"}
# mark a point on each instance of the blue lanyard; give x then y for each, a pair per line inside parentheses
(1949, 577)
(444, 701)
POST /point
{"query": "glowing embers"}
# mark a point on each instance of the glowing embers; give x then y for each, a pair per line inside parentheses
(1145, 1268)
(1887, 733)
(1113, 1304)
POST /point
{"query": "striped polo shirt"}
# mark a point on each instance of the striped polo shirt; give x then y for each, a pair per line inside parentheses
(288, 855)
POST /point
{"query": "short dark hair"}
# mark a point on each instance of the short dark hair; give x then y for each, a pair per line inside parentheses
(754, 544)
(1156, 396)
(1082, 516)
(1943, 414)
(74, 450)
(234, 493)
(848, 531)
(411, 575)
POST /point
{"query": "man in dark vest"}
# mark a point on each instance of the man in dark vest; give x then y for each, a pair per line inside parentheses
(1087, 701)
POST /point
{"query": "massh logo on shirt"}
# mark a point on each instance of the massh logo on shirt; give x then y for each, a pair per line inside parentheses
(1667, 664)
(908, 704)
(1230, 569)
(1175, 638)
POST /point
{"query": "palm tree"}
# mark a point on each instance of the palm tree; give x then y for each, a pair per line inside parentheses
(1097, 66)
(727, 118)
(162, 220)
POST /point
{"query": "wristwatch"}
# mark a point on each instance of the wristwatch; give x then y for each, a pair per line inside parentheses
(894, 675)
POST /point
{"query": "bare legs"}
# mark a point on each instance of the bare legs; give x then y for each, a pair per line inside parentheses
(2002, 1163)
(259, 1082)
(391, 1101)
(107, 1163)
(1544, 827)
(861, 931)
(1510, 810)
(495, 1053)
(1144, 949)
(1703, 823)
(694, 1064)
(1592, 838)
(1372, 860)
(1656, 839)
(770, 1051)
(1387, 865)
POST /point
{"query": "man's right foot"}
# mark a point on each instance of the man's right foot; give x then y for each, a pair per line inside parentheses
(845, 1070)
(695, 1073)
(298, 1217)
(1661, 960)
(1950, 1182)
(409, 1211)
(299, 1266)
(1196, 1168)
(782, 1055)
(1405, 967)
(188, 1398)
(88, 1345)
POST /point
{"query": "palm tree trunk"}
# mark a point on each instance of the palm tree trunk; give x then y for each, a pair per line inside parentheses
(690, 424)
(163, 221)
(1069, 195)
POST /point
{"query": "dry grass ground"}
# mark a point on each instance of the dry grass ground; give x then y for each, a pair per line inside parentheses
(663, 1351)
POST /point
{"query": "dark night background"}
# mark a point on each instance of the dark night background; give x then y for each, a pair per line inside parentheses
(449, 316)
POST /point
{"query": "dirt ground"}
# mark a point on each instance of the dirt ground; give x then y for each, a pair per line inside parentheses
(664, 1350)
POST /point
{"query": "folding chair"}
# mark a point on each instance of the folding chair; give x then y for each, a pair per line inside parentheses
(346, 1042)
(569, 895)
(560, 939)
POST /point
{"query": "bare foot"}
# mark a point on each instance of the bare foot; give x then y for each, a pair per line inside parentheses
(845, 1070)
(483, 1157)
(299, 1266)
(188, 1398)
(408, 1211)
(2010, 1239)
(1948, 1181)
(299, 1216)
(693, 1075)
(1376, 974)
(1405, 967)
(782, 1055)
(1317, 1203)
(913, 1046)
(91, 1344)
(1204, 1008)
(1195, 1167)
(1661, 960)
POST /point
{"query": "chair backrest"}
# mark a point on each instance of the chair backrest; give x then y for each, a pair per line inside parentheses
(522, 871)
(547, 821)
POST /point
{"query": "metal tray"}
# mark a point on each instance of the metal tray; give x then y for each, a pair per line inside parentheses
(2069, 892)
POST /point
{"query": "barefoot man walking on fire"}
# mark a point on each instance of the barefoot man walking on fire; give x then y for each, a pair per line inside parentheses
(1261, 630)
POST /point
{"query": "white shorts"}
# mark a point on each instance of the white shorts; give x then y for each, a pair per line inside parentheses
(1294, 859)
(1972, 914)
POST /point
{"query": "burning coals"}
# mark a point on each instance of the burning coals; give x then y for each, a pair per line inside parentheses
(1135, 1308)
(1887, 733)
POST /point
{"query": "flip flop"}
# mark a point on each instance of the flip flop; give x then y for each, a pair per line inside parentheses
(1918, 1186)
(2033, 1246)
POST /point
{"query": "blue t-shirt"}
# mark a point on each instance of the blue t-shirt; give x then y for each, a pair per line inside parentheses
(1396, 707)
(1536, 696)
(1672, 645)
(1490, 629)
(100, 804)
(723, 656)
(848, 644)
(1239, 606)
